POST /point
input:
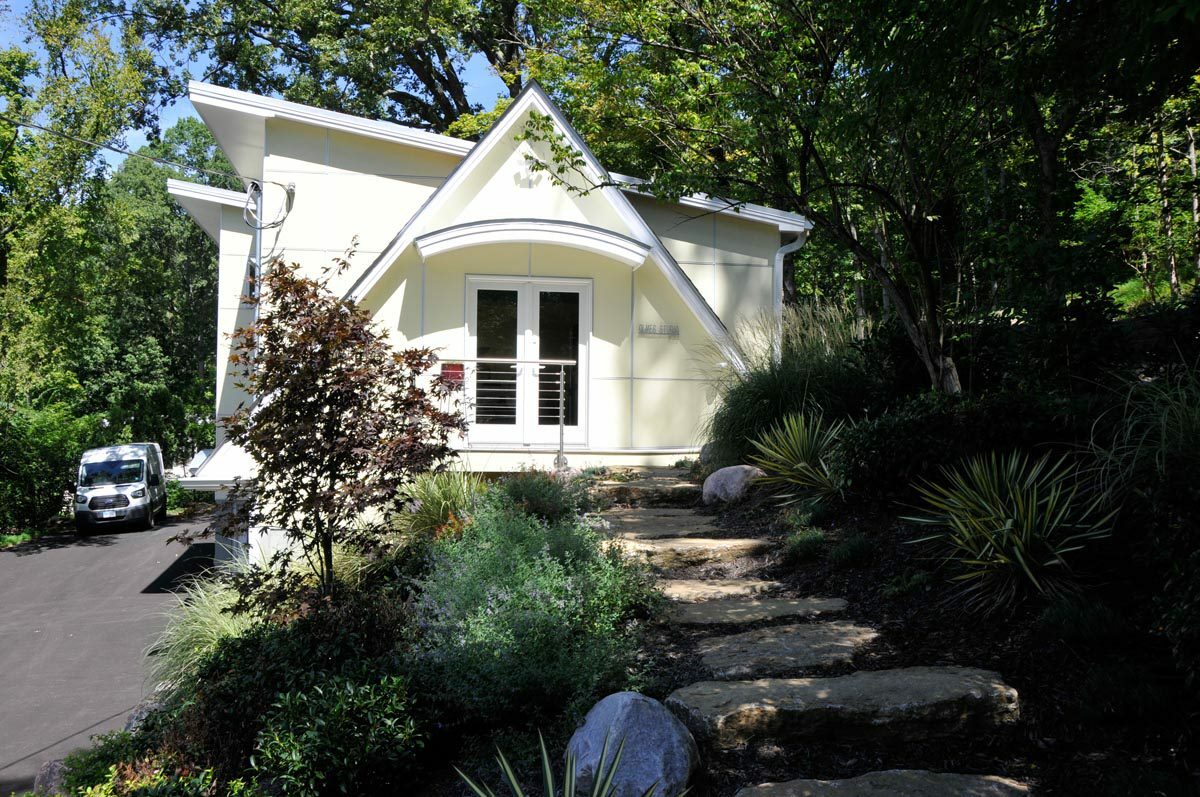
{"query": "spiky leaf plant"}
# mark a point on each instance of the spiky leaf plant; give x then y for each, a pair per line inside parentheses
(602, 783)
(1011, 526)
(796, 455)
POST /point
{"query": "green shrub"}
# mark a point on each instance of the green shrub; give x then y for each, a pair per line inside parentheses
(39, 460)
(216, 719)
(854, 551)
(149, 779)
(1074, 619)
(803, 546)
(545, 495)
(339, 736)
(1011, 526)
(180, 498)
(885, 456)
(194, 628)
(90, 766)
(907, 583)
(436, 501)
(524, 618)
(796, 456)
(815, 367)
(1154, 439)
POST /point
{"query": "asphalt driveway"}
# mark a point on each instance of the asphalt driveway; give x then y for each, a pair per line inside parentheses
(75, 616)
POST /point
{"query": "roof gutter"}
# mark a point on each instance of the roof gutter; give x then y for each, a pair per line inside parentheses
(794, 245)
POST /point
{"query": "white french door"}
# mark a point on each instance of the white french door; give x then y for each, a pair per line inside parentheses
(528, 340)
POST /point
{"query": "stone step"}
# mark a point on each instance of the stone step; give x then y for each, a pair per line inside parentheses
(672, 552)
(648, 523)
(688, 590)
(903, 704)
(753, 610)
(782, 648)
(651, 487)
(894, 783)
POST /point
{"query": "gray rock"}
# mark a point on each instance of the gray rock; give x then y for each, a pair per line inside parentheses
(730, 484)
(724, 611)
(49, 778)
(912, 703)
(783, 648)
(673, 552)
(658, 747)
(139, 714)
(894, 783)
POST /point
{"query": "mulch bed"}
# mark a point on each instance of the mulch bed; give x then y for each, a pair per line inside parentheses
(1098, 718)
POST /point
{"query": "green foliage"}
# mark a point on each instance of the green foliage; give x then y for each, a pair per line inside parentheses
(90, 766)
(796, 456)
(39, 459)
(854, 551)
(341, 736)
(803, 546)
(215, 717)
(602, 781)
(885, 455)
(180, 498)
(148, 780)
(816, 369)
(1079, 620)
(546, 495)
(195, 627)
(436, 502)
(1011, 527)
(907, 583)
(523, 619)
(1154, 440)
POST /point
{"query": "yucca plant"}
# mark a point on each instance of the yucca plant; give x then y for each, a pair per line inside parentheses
(1012, 526)
(602, 783)
(796, 454)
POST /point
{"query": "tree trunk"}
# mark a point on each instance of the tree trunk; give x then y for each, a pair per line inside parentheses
(790, 297)
(1165, 213)
(1191, 138)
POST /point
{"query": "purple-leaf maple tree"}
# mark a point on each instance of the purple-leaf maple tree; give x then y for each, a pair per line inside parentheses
(338, 421)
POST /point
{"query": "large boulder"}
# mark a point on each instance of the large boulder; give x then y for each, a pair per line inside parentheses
(49, 778)
(658, 747)
(730, 484)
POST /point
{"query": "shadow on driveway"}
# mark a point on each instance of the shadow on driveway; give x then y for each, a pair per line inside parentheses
(51, 542)
(195, 561)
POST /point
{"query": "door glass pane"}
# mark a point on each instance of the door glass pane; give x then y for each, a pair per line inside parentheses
(496, 336)
(558, 339)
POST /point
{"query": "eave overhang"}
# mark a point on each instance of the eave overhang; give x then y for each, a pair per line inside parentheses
(629, 251)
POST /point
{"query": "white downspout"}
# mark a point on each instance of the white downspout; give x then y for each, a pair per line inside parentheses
(777, 292)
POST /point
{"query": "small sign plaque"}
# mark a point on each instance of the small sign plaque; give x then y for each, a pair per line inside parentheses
(659, 330)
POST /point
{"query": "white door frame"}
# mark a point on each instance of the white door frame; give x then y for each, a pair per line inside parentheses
(527, 432)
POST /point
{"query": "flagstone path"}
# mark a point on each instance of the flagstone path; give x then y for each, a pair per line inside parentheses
(760, 686)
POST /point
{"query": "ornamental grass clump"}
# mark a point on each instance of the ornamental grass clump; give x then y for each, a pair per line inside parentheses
(1012, 527)
(521, 618)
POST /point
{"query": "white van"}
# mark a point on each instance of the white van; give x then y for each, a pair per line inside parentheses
(120, 484)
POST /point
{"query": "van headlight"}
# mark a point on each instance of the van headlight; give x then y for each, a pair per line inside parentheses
(139, 492)
(80, 498)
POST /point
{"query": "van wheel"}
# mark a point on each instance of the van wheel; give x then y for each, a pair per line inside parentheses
(161, 514)
(82, 528)
(149, 522)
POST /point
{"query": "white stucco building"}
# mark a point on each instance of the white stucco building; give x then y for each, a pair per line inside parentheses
(517, 281)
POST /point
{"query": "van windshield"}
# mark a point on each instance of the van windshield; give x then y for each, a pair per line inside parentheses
(114, 471)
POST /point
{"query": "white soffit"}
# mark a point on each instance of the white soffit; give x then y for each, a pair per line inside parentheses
(204, 203)
(228, 464)
(539, 231)
(238, 122)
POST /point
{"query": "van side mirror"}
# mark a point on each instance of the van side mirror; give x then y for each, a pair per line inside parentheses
(154, 480)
